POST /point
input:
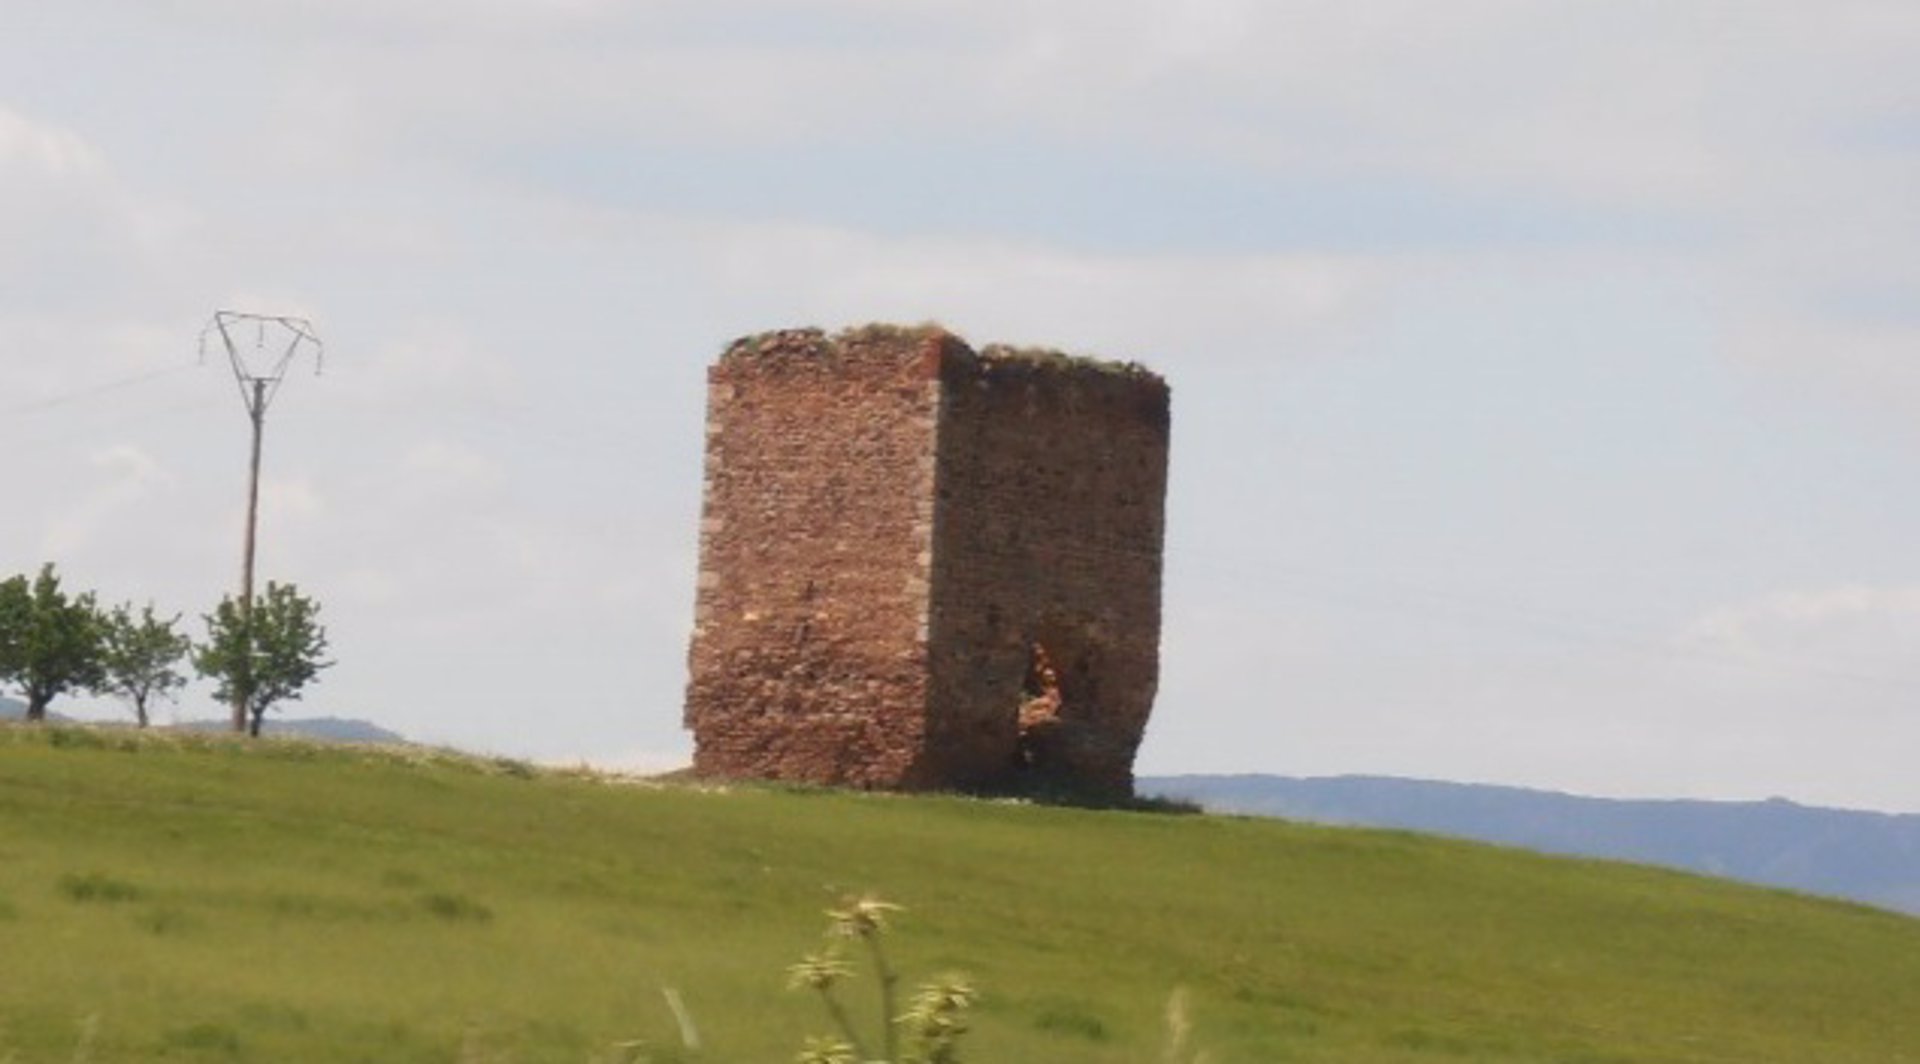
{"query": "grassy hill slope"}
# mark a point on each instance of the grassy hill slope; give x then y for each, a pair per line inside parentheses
(201, 899)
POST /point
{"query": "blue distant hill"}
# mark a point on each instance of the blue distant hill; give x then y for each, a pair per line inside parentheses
(335, 729)
(14, 709)
(1867, 857)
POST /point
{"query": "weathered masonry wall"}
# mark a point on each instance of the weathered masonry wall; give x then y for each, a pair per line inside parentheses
(927, 567)
(808, 659)
(1047, 558)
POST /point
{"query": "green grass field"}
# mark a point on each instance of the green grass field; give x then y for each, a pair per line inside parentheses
(201, 899)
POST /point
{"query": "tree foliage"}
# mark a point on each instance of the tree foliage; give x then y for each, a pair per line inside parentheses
(50, 642)
(14, 606)
(142, 656)
(266, 656)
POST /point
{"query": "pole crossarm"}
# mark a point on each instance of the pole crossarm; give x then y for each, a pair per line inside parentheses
(265, 365)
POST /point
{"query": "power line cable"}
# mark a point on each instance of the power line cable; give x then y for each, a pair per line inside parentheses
(55, 401)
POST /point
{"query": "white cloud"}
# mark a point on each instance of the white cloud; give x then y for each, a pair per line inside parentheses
(1591, 98)
(69, 226)
(1733, 625)
(449, 466)
(1859, 632)
(363, 18)
(296, 498)
(1853, 361)
(431, 362)
(369, 586)
(34, 152)
(126, 477)
(1171, 308)
(1725, 131)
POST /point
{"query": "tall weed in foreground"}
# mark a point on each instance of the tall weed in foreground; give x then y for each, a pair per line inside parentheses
(927, 1032)
(1180, 1032)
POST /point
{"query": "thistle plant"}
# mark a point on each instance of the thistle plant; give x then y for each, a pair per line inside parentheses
(932, 1023)
(819, 972)
(936, 1019)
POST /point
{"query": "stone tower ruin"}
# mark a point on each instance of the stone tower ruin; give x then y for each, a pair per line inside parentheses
(926, 567)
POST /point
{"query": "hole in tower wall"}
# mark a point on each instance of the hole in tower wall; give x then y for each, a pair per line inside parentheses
(1059, 708)
(1040, 703)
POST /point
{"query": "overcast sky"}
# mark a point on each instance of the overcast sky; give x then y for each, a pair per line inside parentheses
(1546, 374)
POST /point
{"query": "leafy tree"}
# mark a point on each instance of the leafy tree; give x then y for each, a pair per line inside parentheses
(264, 658)
(50, 643)
(142, 657)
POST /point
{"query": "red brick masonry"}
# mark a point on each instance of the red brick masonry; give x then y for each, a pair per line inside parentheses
(908, 548)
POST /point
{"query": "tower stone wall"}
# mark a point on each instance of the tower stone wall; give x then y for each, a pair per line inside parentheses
(926, 567)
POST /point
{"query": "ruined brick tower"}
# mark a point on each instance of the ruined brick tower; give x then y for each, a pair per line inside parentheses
(925, 567)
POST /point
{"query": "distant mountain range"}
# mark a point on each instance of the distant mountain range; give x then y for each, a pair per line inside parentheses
(14, 709)
(1867, 857)
(335, 729)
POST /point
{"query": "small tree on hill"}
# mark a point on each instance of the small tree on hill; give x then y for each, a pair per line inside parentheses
(142, 657)
(50, 643)
(266, 657)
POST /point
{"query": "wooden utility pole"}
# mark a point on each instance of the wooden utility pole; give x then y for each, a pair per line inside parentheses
(257, 413)
(259, 373)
